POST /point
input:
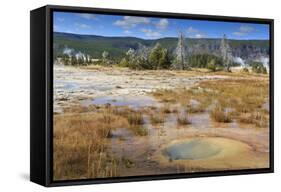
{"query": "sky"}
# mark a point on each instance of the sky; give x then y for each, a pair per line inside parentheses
(154, 28)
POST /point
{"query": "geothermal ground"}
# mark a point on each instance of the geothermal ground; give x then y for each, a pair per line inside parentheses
(73, 85)
(157, 122)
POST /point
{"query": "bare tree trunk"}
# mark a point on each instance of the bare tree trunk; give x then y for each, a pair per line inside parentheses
(225, 53)
(180, 61)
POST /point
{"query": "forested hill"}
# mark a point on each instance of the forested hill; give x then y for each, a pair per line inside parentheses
(117, 46)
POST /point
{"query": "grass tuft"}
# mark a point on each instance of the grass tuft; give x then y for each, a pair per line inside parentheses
(135, 118)
(183, 120)
(157, 118)
(218, 114)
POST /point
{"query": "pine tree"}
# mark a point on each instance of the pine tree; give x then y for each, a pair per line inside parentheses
(165, 61)
(155, 56)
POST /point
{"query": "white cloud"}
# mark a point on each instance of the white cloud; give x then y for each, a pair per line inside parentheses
(87, 16)
(192, 30)
(162, 24)
(198, 35)
(82, 25)
(237, 33)
(244, 30)
(195, 33)
(151, 33)
(130, 22)
(127, 32)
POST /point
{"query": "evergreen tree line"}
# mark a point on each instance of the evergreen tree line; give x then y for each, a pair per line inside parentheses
(159, 57)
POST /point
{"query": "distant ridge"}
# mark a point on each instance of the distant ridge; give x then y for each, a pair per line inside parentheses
(94, 45)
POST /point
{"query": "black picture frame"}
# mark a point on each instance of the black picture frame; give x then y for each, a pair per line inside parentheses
(41, 94)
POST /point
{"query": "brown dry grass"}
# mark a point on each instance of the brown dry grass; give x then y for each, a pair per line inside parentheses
(258, 119)
(183, 120)
(80, 146)
(244, 96)
(157, 118)
(219, 114)
(135, 118)
(81, 137)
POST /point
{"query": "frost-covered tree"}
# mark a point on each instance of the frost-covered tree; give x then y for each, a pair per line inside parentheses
(130, 58)
(142, 55)
(88, 59)
(105, 57)
(80, 58)
(180, 62)
(226, 53)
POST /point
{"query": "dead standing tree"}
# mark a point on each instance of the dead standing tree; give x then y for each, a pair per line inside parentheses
(225, 53)
(180, 61)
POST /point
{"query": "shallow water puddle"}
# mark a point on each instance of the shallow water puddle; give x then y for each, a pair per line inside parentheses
(191, 149)
(133, 102)
(64, 85)
(200, 120)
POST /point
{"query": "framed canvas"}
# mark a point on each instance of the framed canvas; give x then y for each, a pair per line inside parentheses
(119, 95)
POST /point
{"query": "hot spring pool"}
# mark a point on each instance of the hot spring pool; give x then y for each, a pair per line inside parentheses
(191, 149)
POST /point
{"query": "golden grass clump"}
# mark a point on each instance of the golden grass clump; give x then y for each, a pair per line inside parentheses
(157, 118)
(183, 120)
(139, 130)
(257, 118)
(135, 118)
(218, 114)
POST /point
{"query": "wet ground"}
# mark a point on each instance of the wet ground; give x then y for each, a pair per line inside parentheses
(156, 154)
(73, 85)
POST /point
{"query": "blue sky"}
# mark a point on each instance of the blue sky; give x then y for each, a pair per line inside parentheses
(154, 28)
